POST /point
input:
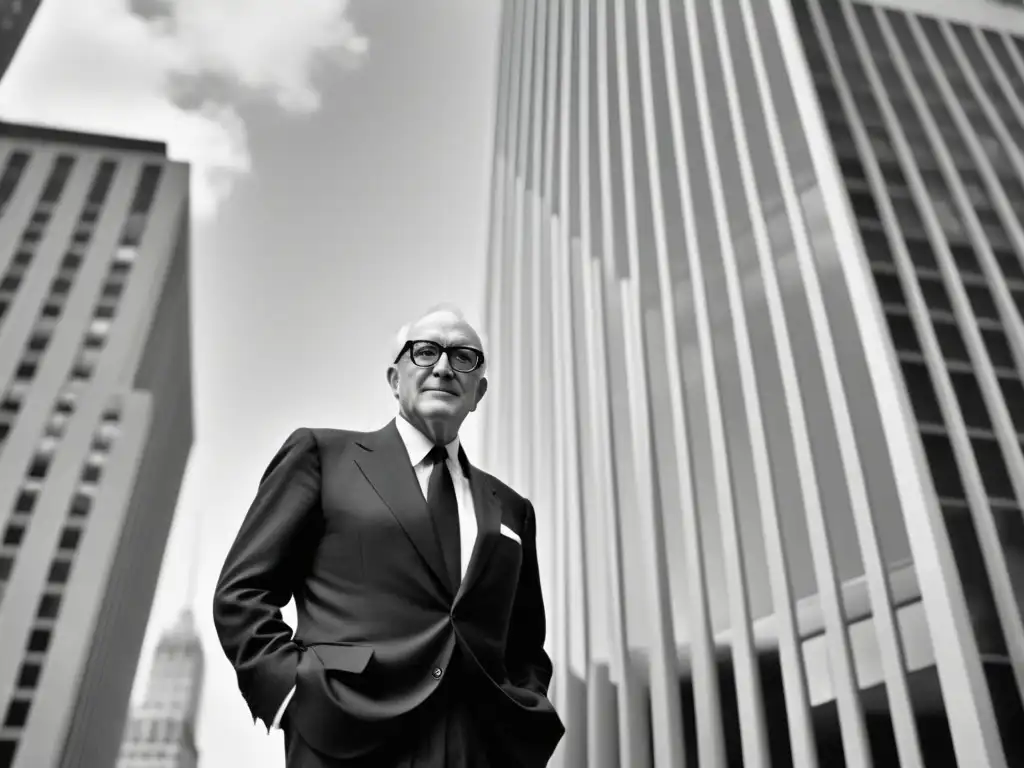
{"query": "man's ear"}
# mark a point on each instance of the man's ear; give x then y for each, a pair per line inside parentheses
(392, 375)
(481, 390)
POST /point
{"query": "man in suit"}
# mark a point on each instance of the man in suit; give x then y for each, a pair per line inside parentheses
(420, 632)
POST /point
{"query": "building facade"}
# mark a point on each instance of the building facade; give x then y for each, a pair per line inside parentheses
(161, 732)
(95, 428)
(15, 17)
(756, 296)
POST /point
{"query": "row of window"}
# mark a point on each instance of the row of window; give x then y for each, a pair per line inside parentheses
(994, 128)
(12, 173)
(33, 233)
(48, 608)
(94, 340)
(78, 509)
(54, 302)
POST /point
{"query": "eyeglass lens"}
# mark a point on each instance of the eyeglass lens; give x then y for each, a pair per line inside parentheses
(462, 359)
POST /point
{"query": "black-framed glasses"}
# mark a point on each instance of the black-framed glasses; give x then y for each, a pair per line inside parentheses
(426, 353)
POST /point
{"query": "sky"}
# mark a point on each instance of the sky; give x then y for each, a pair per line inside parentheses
(340, 158)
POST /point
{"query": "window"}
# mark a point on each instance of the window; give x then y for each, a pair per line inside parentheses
(904, 336)
(145, 192)
(40, 466)
(993, 468)
(998, 348)
(14, 534)
(131, 236)
(965, 259)
(876, 246)
(6, 566)
(58, 178)
(971, 400)
(90, 473)
(951, 342)
(26, 501)
(23, 258)
(69, 539)
(81, 503)
(889, 289)
(7, 749)
(82, 370)
(60, 286)
(38, 341)
(921, 253)
(17, 713)
(942, 462)
(1010, 263)
(852, 168)
(981, 301)
(52, 309)
(125, 255)
(49, 607)
(59, 571)
(922, 393)
(28, 675)
(935, 295)
(864, 206)
(39, 641)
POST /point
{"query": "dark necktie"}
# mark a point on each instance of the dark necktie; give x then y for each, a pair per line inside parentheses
(444, 509)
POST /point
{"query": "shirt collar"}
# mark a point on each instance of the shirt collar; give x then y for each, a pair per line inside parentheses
(419, 445)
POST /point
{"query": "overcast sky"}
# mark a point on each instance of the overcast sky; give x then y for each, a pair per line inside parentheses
(340, 159)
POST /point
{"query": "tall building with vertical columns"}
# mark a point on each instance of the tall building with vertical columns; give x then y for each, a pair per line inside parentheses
(95, 428)
(756, 313)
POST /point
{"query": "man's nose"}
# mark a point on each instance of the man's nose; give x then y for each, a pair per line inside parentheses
(443, 366)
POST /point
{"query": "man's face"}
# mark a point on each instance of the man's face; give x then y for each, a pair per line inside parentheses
(439, 392)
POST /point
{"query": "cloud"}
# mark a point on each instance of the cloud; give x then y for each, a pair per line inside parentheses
(178, 71)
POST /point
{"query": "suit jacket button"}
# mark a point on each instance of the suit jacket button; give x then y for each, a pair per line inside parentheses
(437, 673)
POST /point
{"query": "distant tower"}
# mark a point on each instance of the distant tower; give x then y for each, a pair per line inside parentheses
(161, 732)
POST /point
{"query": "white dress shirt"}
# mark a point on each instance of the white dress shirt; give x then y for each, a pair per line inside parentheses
(418, 445)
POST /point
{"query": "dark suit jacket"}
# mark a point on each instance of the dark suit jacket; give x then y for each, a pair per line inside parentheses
(340, 523)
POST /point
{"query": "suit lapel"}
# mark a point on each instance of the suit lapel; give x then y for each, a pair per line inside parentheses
(385, 464)
(488, 520)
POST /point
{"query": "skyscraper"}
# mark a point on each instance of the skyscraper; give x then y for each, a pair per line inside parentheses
(161, 733)
(95, 428)
(756, 284)
(15, 16)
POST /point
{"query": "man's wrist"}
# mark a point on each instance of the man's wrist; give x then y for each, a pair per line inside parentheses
(280, 712)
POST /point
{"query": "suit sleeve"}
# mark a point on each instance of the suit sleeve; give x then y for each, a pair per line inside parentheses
(526, 661)
(261, 572)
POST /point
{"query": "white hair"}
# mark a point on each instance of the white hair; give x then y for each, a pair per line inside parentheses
(444, 308)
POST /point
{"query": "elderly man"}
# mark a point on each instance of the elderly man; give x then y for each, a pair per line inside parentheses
(420, 617)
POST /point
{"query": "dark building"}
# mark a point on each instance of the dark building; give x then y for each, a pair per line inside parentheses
(15, 17)
(95, 428)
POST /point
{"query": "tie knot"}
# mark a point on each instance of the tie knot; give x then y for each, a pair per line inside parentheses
(438, 454)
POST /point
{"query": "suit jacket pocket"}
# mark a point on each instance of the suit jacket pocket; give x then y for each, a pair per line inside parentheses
(343, 658)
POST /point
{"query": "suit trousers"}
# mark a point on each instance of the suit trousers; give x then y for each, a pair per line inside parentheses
(444, 732)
